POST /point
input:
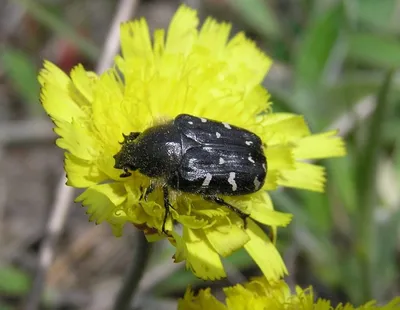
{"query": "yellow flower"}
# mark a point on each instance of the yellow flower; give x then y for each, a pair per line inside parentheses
(197, 72)
(260, 294)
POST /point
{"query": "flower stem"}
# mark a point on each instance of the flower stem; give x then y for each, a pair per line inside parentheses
(368, 160)
(133, 276)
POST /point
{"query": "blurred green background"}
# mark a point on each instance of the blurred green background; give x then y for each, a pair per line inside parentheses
(334, 61)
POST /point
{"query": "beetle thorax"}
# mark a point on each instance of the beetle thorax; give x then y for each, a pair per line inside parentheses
(157, 152)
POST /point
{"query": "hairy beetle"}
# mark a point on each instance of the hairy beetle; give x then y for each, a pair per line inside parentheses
(196, 155)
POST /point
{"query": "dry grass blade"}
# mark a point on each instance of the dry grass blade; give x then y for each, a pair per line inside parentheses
(361, 111)
(366, 177)
(26, 131)
(64, 194)
(54, 229)
(111, 46)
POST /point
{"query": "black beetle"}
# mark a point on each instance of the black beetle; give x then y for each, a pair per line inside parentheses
(196, 155)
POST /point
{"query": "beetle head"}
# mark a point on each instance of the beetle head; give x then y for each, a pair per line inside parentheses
(124, 159)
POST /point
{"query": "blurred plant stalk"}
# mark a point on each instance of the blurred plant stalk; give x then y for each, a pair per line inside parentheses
(366, 190)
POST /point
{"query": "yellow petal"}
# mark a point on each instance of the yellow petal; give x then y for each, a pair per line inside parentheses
(102, 201)
(226, 239)
(135, 39)
(108, 115)
(55, 94)
(182, 31)
(117, 222)
(81, 173)
(259, 294)
(238, 298)
(203, 300)
(256, 102)
(254, 66)
(159, 42)
(213, 36)
(304, 176)
(77, 139)
(271, 182)
(54, 75)
(84, 83)
(180, 245)
(278, 290)
(139, 211)
(192, 222)
(283, 128)
(321, 304)
(274, 118)
(322, 145)
(262, 211)
(208, 209)
(279, 157)
(393, 304)
(201, 258)
(304, 299)
(264, 253)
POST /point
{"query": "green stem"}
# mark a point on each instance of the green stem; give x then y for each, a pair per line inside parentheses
(139, 262)
(368, 161)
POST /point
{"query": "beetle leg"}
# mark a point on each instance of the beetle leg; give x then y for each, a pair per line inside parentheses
(222, 202)
(167, 205)
(148, 191)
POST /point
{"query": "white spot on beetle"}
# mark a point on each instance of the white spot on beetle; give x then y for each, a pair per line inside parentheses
(231, 181)
(221, 160)
(190, 122)
(257, 183)
(203, 120)
(207, 180)
(227, 126)
(251, 159)
(218, 135)
(263, 165)
(249, 142)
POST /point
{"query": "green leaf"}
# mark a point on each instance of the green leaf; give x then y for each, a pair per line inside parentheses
(380, 14)
(318, 41)
(13, 281)
(366, 191)
(396, 157)
(22, 72)
(308, 239)
(320, 251)
(385, 254)
(391, 129)
(259, 15)
(341, 172)
(374, 49)
(351, 278)
(4, 307)
(316, 207)
(352, 87)
(311, 64)
(340, 97)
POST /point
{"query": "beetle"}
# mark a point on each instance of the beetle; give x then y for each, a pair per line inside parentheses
(196, 155)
